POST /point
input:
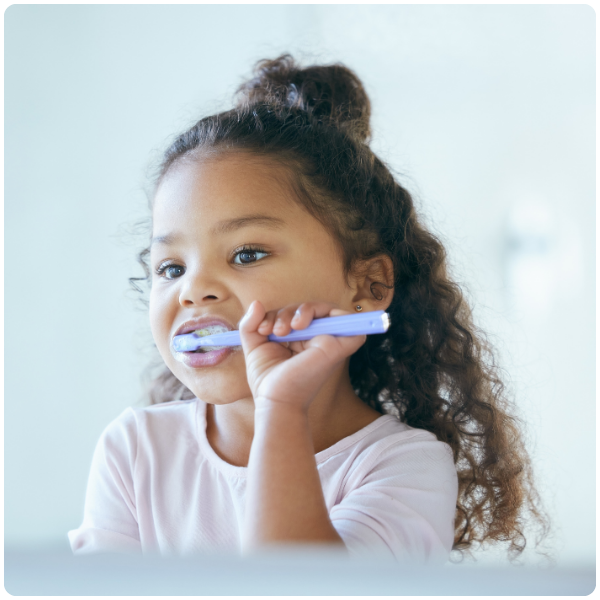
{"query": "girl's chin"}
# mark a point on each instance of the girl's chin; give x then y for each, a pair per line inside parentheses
(217, 383)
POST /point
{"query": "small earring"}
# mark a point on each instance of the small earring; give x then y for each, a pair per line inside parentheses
(358, 307)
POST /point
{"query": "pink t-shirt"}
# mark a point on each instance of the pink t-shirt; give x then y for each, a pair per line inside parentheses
(157, 486)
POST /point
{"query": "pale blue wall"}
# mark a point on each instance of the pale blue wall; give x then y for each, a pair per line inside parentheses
(487, 112)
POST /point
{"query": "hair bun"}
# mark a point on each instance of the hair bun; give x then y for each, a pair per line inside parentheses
(331, 94)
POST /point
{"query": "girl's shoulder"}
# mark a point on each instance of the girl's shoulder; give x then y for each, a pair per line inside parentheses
(156, 420)
(166, 410)
(388, 437)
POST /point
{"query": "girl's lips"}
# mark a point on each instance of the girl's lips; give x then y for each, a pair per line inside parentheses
(201, 323)
(196, 360)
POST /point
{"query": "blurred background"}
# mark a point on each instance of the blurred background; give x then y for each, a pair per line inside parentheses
(486, 113)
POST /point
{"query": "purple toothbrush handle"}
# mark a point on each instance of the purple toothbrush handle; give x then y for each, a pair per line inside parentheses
(346, 325)
(377, 321)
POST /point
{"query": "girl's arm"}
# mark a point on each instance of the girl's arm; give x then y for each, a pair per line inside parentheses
(284, 501)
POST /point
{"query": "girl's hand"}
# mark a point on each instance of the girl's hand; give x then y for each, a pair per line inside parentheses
(292, 373)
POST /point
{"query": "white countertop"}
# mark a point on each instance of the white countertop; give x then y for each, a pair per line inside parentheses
(287, 571)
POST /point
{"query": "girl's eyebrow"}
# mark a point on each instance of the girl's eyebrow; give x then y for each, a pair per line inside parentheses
(167, 240)
(228, 226)
(233, 224)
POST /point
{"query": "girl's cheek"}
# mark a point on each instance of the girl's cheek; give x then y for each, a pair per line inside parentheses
(161, 313)
(156, 316)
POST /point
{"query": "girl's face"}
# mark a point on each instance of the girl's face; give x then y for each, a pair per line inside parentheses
(207, 261)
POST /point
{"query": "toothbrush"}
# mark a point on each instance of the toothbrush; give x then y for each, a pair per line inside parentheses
(368, 323)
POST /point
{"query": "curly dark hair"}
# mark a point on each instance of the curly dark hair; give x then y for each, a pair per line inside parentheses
(432, 369)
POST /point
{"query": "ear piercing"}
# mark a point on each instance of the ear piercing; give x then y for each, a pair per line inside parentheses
(358, 307)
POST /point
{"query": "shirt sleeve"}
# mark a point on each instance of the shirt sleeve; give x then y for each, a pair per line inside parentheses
(110, 522)
(405, 504)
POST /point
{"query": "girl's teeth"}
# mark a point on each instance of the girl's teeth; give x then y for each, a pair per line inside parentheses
(211, 330)
(209, 348)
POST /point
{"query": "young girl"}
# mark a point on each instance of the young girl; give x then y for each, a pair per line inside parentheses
(264, 218)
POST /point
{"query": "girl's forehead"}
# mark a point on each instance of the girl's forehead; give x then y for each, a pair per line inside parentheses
(200, 195)
(224, 183)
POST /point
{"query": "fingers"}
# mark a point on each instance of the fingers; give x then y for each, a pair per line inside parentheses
(283, 323)
(308, 311)
(300, 316)
(249, 334)
(266, 325)
(294, 316)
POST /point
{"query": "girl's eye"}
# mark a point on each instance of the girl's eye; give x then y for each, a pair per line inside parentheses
(170, 271)
(248, 255)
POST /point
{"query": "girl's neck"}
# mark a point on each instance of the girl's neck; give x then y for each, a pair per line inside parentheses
(332, 417)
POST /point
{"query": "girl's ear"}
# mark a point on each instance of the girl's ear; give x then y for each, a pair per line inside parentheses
(374, 283)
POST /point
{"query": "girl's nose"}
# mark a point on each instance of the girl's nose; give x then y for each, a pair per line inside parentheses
(198, 288)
